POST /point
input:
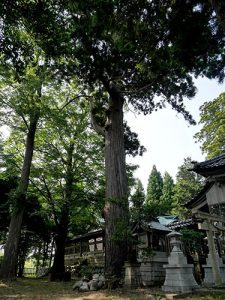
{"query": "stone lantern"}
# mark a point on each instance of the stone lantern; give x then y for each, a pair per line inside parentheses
(175, 241)
(179, 274)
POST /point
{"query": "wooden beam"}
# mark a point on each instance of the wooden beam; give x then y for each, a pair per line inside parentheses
(207, 216)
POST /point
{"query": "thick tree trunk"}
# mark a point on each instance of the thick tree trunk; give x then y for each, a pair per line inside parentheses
(8, 267)
(58, 269)
(219, 7)
(116, 206)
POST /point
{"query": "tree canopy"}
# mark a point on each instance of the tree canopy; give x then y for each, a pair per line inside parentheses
(212, 119)
(160, 193)
(104, 42)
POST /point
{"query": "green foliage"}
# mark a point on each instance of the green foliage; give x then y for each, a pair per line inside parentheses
(212, 119)
(122, 232)
(7, 184)
(159, 198)
(131, 142)
(68, 166)
(155, 186)
(110, 41)
(138, 197)
(87, 271)
(167, 194)
(192, 240)
(154, 193)
(187, 186)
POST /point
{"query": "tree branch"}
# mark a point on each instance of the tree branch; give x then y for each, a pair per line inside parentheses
(50, 200)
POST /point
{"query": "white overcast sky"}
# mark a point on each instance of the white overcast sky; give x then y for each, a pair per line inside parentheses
(167, 137)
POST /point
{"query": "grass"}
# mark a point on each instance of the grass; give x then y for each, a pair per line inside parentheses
(42, 289)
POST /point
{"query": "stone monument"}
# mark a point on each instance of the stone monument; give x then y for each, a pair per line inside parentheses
(132, 275)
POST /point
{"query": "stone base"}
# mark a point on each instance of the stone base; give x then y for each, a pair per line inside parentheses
(151, 269)
(179, 279)
(209, 278)
(152, 274)
(132, 275)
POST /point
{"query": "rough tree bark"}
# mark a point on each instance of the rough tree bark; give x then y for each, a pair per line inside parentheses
(57, 272)
(58, 268)
(8, 267)
(116, 206)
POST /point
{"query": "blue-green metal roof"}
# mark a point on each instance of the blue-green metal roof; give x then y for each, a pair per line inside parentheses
(167, 219)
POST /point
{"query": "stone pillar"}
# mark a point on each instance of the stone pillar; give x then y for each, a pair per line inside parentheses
(132, 275)
(213, 256)
(179, 274)
(214, 268)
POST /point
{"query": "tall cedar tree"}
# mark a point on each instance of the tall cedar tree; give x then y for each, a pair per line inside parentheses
(154, 192)
(155, 186)
(166, 199)
(137, 201)
(132, 51)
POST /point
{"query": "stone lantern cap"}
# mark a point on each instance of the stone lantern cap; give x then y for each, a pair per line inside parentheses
(175, 241)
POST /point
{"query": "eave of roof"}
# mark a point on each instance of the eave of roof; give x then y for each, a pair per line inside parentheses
(154, 225)
(214, 166)
(200, 197)
(88, 235)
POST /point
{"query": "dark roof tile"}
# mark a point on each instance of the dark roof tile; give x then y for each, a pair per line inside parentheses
(209, 166)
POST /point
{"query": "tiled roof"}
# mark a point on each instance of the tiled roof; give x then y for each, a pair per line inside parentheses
(181, 224)
(209, 166)
(155, 225)
(91, 234)
(167, 219)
